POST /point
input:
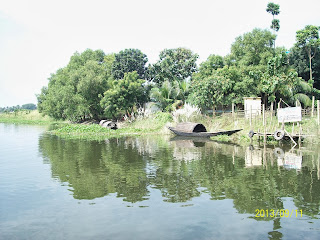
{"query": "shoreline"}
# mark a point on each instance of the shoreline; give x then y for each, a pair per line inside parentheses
(158, 123)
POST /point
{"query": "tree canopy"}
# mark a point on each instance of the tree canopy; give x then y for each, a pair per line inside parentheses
(74, 92)
(129, 60)
(123, 95)
(173, 65)
(252, 48)
(94, 85)
(308, 39)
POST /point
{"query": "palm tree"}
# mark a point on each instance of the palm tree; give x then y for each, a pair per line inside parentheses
(168, 93)
(275, 24)
(165, 95)
(299, 92)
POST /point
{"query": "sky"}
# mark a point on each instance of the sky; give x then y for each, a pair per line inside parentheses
(37, 37)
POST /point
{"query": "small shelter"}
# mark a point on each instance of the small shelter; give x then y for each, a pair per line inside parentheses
(252, 106)
(190, 127)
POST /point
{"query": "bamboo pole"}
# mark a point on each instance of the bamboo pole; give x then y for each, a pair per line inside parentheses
(318, 111)
(312, 109)
(232, 110)
(263, 115)
(271, 109)
(264, 127)
(250, 115)
(318, 168)
(300, 130)
(278, 110)
(292, 132)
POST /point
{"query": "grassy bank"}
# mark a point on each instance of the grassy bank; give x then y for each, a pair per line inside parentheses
(26, 117)
(158, 123)
(151, 125)
(308, 126)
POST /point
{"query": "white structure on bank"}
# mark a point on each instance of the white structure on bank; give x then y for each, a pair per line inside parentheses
(252, 106)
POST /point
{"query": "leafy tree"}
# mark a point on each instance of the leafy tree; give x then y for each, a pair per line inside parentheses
(252, 49)
(74, 92)
(174, 65)
(29, 106)
(222, 87)
(212, 63)
(283, 82)
(10, 109)
(124, 95)
(129, 60)
(308, 39)
(108, 62)
(299, 60)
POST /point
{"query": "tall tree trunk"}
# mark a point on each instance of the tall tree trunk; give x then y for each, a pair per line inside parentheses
(310, 66)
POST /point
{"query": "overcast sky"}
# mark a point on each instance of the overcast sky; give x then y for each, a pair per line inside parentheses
(37, 37)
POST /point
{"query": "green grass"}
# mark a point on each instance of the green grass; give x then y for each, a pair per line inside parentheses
(26, 117)
(157, 124)
(227, 122)
(152, 125)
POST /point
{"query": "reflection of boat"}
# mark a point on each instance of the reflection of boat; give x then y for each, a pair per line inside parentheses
(181, 141)
(197, 130)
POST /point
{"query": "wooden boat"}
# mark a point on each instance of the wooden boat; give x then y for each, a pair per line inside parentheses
(197, 130)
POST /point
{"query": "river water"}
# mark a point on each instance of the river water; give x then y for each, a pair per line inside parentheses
(154, 187)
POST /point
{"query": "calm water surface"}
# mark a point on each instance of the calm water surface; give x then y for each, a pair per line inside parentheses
(154, 188)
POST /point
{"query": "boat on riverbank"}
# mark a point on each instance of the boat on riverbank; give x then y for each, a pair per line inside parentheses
(189, 129)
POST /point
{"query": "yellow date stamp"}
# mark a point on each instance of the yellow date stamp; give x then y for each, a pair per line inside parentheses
(262, 213)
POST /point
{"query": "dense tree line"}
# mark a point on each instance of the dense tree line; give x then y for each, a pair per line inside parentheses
(96, 85)
(28, 106)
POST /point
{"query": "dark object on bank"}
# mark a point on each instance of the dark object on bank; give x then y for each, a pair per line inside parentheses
(189, 129)
(279, 135)
(108, 124)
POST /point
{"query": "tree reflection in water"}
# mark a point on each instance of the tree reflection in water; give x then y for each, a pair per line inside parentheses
(254, 177)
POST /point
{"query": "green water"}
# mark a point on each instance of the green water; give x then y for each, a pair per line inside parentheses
(154, 187)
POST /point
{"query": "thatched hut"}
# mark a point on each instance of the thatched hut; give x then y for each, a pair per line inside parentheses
(190, 127)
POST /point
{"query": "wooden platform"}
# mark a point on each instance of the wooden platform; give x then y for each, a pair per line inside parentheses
(285, 137)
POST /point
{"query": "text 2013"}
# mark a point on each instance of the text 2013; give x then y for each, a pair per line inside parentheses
(278, 213)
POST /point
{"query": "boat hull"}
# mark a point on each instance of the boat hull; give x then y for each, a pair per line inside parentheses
(202, 134)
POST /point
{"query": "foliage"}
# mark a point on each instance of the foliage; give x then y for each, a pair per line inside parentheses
(283, 82)
(224, 86)
(252, 49)
(210, 91)
(28, 106)
(174, 65)
(123, 95)
(74, 92)
(170, 95)
(274, 9)
(165, 95)
(212, 63)
(308, 39)
(275, 24)
(129, 60)
(299, 60)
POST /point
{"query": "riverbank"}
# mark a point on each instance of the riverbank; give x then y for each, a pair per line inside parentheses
(155, 124)
(158, 123)
(27, 117)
